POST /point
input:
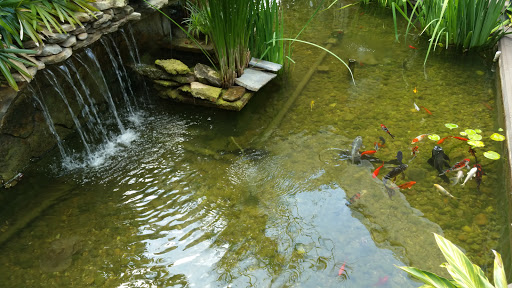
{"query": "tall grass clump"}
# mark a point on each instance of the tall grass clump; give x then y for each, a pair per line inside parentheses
(230, 24)
(268, 26)
(465, 24)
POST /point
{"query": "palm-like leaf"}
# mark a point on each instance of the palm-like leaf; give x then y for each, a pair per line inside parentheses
(460, 267)
(500, 279)
(431, 279)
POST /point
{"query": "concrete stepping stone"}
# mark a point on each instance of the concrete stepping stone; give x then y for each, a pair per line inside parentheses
(269, 66)
(253, 79)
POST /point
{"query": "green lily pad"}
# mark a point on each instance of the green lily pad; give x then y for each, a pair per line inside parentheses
(497, 137)
(470, 131)
(475, 137)
(492, 155)
(451, 125)
(463, 133)
(500, 129)
(476, 143)
(434, 137)
(478, 131)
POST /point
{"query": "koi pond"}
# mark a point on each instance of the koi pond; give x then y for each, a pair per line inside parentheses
(194, 197)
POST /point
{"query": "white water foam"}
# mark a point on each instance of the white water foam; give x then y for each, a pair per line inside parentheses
(103, 152)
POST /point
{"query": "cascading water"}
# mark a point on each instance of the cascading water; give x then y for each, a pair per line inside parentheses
(123, 70)
(48, 119)
(53, 80)
(118, 74)
(107, 95)
(90, 100)
(134, 54)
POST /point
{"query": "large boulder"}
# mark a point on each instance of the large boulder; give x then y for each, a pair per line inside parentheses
(173, 66)
(107, 4)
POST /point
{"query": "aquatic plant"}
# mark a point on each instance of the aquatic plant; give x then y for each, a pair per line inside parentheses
(468, 24)
(196, 22)
(268, 25)
(463, 271)
(20, 17)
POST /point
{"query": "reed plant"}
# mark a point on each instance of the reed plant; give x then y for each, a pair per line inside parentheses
(230, 25)
(465, 24)
(268, 26)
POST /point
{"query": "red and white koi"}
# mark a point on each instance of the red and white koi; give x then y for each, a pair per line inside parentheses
(458, 166)
(419, 138)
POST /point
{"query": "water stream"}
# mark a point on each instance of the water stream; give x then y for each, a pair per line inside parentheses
(188, 196)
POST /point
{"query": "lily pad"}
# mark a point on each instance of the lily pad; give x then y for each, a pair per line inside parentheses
(492, 155)
(463, 133)
(470, 131)
(451, 125)
(475, 137)
(434, 137)
(478, 131)
(497, 137)
(476, 143)
(500, 129)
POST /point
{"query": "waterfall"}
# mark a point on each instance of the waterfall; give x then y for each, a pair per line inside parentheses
(48, 119)
(90, 100)
(92, 123)
(107, 95)
(134, 53)
(118, 74)
(53, 80)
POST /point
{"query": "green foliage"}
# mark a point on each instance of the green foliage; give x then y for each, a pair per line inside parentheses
(268, 25)
(465, 24)
(28, 17)
(464, 273)
(197, 21)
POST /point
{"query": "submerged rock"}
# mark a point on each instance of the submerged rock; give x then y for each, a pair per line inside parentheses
(173, 66)
(58, 257)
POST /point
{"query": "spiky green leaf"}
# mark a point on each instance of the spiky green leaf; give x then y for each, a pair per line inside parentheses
(460, 267)
(431, 279)
(500, 279)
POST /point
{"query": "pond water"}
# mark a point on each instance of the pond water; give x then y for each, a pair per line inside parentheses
(196, 198)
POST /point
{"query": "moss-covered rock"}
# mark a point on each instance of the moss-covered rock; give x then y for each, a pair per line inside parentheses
(173, 66)
(151, 71)
(205, 92)
(166, 83)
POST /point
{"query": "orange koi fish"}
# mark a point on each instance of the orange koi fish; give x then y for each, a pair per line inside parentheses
(442, 140)
(415, 90)
(407, 185)
(386, 130)
(460, 138)
(412, 47)
(419, 138)
(458, 166)
(382, 281)
(376, 172)
(342, 269)
(415, 150)
(369, 152)
(426, 110)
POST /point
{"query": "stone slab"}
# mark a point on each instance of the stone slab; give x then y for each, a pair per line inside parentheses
(254, 79)
(266, 65)
(505, 70)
